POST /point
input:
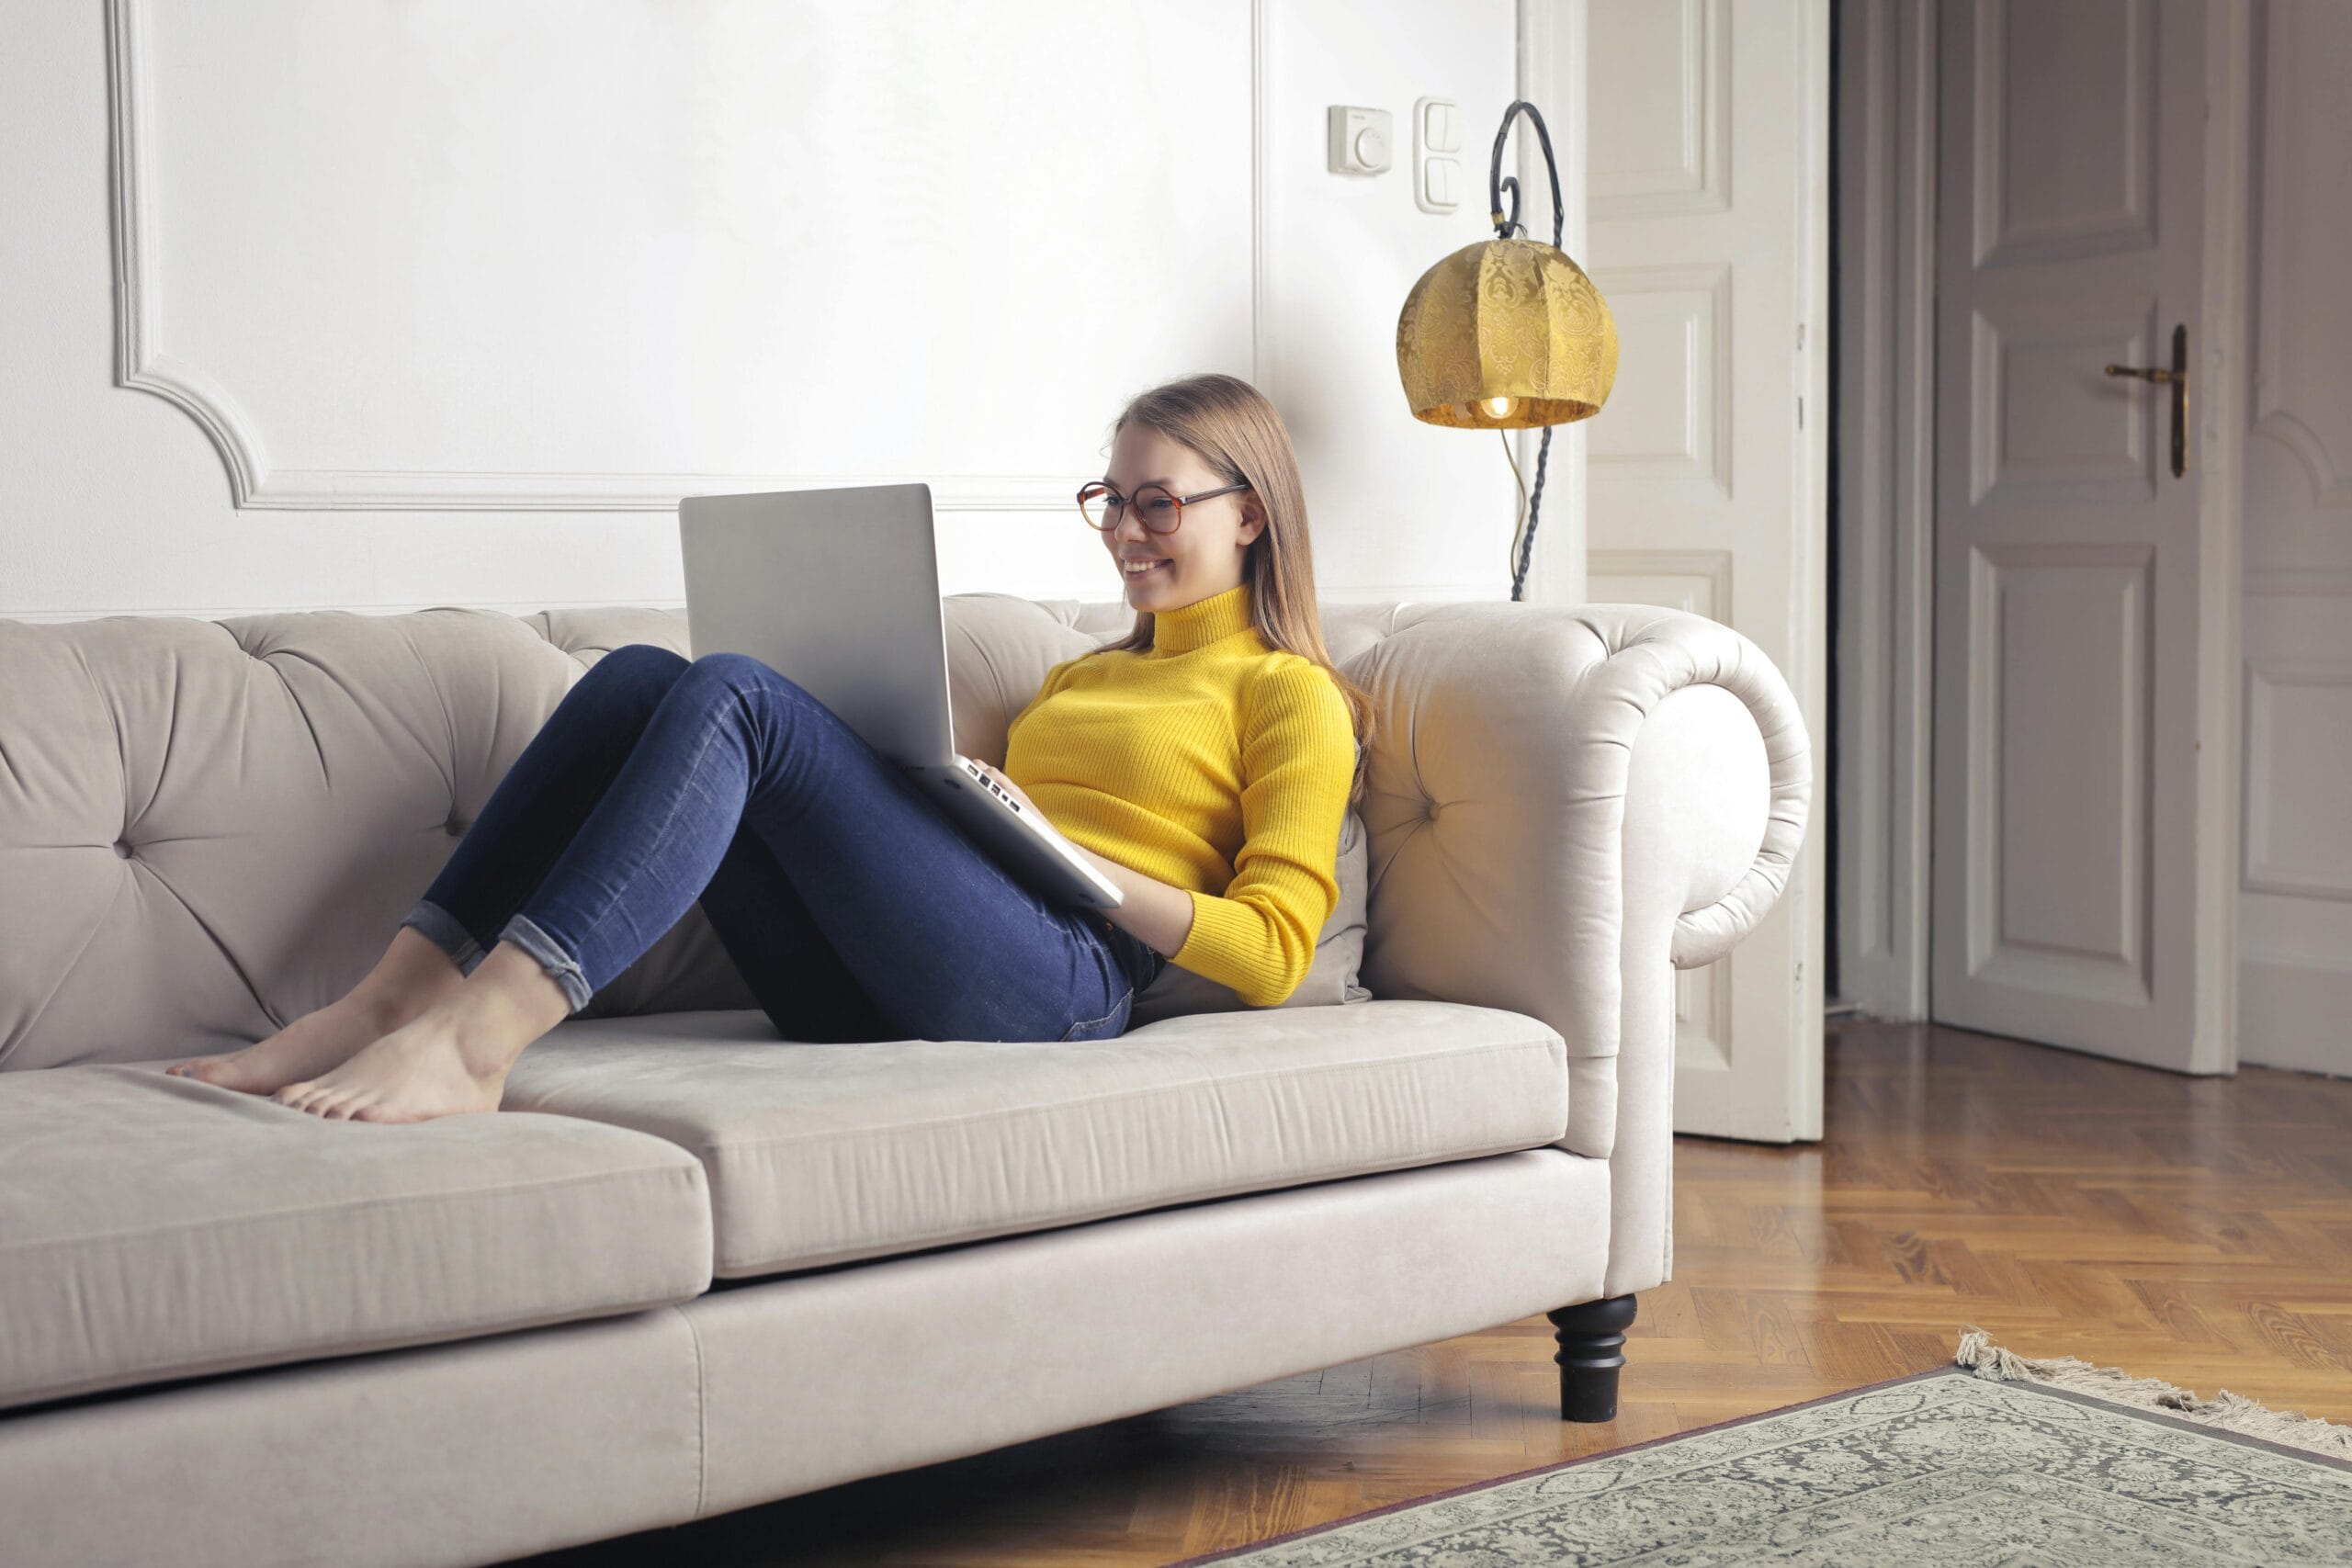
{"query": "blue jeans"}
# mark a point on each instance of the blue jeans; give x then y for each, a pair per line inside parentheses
(853, 906)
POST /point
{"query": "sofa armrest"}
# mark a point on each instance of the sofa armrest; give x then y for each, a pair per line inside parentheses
(1511, 866)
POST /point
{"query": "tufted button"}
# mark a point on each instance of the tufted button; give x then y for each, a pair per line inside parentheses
(453, 826)
(122, 848)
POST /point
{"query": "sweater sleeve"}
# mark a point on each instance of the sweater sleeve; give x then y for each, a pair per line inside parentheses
(1299, 758)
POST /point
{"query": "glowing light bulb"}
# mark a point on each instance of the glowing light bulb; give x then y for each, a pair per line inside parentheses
(1499, 406)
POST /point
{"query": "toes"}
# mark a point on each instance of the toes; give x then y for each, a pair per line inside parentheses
(321, 1098)
(346, 1098)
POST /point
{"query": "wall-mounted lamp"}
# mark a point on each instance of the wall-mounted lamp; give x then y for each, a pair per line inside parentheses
(1508, 334)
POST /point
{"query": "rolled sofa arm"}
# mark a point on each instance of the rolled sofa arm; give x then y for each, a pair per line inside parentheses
(1507, 870)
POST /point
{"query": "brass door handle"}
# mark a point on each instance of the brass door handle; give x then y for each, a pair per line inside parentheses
(2177, 378)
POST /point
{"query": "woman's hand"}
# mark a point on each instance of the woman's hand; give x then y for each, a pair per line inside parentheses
(1011, 788)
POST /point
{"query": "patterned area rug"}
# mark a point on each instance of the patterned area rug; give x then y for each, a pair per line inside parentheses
(1997, 1460)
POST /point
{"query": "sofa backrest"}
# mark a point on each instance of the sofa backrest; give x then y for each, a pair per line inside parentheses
(210, 828)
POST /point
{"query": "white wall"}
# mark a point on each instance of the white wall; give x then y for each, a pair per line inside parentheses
(2295, 932)
(445, 304)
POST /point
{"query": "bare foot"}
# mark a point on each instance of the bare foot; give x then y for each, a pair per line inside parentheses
(315, 1042)
(441, 1063)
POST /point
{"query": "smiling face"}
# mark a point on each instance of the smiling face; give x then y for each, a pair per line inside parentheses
(1204, 555)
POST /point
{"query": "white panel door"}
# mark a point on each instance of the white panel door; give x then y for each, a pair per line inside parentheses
(2072, 184)
(2294, 985)
(1709, 229)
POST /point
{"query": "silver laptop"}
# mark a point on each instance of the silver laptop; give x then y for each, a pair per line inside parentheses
(839, 588)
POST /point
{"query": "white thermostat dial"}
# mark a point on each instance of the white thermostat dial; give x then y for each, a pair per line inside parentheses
(1359, 139)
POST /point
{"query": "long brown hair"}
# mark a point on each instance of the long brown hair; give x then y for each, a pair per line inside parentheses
(1239, 432)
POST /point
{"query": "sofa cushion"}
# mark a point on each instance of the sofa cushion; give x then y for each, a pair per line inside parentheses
(155, 1227)
(820, 1154)
(1330, 980)
(209, 829)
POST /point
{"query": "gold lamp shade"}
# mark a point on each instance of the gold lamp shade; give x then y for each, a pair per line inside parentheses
(1506, 334)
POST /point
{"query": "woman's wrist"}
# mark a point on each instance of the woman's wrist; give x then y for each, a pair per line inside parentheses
(1156, 913)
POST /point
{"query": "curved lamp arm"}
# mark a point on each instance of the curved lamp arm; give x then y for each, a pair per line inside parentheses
(1498, 182)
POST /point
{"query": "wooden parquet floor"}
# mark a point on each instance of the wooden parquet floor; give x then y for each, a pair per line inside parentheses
(2193, 1229)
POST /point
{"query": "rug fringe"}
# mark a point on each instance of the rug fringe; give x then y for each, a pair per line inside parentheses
(2230, 1412)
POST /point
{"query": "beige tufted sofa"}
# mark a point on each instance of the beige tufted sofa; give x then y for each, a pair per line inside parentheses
(690, 1267)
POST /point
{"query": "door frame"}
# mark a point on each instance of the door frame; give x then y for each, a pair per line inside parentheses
(1883, 531)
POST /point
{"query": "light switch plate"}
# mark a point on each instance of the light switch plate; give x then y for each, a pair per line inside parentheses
(1441, 124)
(1443, 178)
(1438, 174)
(1362, 141)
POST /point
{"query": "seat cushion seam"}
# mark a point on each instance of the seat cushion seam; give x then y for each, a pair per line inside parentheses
(702, 1413)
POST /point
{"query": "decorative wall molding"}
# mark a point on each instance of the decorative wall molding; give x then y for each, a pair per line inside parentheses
(256, 483)
(1329, 593)
(516, 607)
(1696, 177)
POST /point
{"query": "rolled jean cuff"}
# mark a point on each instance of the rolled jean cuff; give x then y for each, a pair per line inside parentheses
(564, 969)
(445, 932)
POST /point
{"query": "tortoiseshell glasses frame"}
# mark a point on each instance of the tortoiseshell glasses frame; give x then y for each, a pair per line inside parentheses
(1098, 496)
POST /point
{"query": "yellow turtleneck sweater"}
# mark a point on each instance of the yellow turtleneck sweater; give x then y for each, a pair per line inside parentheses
(1210, 762)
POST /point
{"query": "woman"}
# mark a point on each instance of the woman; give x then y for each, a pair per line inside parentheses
(1213, 750)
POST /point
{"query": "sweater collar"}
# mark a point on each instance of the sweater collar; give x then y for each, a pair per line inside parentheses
(1202, 622)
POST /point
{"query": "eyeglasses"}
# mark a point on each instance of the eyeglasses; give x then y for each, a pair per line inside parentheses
(1161, 512)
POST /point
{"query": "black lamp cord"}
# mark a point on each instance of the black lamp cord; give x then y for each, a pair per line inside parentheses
(1497, 183)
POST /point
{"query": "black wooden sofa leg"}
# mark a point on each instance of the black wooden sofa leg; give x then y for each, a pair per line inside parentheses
(1592, 1347)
